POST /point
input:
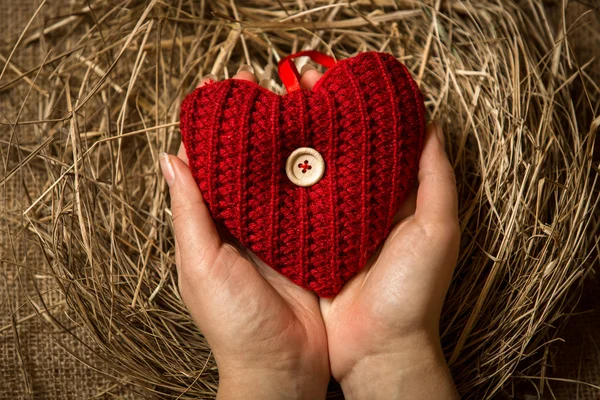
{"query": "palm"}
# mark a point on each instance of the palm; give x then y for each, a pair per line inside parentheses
(263, 310)
(385, 299)
(256, 319)
(261, 307)
(400, 292)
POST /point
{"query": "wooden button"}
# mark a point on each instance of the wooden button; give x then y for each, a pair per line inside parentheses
(305, 167)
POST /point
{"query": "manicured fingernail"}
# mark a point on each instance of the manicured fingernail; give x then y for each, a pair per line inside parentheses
(167, 168)
(207, 79)
(245, 68)
(306, 67)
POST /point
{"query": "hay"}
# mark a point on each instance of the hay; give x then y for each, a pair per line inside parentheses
(90, 117)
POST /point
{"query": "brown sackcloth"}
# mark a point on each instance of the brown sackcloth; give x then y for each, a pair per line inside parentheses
(33, 363)
(39, 361)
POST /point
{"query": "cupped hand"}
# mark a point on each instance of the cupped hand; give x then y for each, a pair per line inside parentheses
(382, 328)
(266, 333)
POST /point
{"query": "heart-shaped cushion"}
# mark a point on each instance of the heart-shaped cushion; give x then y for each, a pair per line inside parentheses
(366, 118)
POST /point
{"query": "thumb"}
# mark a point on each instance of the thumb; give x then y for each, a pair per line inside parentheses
(195, 234)
(437, 199)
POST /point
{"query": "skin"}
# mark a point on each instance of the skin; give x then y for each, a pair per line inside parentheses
(274, 340)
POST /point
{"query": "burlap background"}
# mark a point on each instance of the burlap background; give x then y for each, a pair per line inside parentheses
(39, 361)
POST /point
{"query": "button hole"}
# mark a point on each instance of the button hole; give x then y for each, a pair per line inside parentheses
(305, 166)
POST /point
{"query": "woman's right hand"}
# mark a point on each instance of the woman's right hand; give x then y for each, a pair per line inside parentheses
(266, 333)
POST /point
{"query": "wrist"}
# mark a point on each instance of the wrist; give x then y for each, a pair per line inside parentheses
(271, 384)
(414, 368)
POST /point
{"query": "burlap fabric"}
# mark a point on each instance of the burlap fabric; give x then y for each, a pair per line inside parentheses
(37, 360)
(40, 361)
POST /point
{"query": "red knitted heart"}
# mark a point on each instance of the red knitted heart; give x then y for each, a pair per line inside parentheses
(366, 118)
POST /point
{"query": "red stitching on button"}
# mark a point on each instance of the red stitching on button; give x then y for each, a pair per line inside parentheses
(305, 166)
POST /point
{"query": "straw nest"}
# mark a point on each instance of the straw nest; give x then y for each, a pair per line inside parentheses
(102, 100)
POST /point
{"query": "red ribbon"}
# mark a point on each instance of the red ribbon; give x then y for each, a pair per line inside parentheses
(289, 73)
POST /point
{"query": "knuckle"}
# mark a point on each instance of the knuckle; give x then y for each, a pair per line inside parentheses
(182, 211)
(446, 231)
(445, 173)
(178, 213)
(199, 267)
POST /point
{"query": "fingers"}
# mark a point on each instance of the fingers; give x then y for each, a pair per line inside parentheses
(245, 73)
(190, 190)
(437, 199)
(310, 76)
(309, 73)
(195, 232)
(182, 155)
(207, 79)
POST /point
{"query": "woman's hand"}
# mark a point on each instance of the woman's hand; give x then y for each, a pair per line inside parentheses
(382, 328)
(266, 333)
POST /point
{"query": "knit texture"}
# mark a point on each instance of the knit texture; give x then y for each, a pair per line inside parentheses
(365, 116)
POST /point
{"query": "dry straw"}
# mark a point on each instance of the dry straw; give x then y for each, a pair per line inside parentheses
(82, 127)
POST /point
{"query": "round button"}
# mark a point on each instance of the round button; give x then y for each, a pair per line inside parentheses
(305, 167)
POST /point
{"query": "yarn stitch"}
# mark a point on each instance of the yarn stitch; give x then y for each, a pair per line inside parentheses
(365, 116)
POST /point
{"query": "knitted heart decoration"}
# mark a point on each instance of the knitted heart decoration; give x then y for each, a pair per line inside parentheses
(365, 117)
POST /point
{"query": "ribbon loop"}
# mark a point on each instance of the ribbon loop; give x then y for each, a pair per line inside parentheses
(289, 73)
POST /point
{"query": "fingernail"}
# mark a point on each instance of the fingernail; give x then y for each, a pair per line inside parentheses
(166, 168)
(207, 78)
(439, 132)
(245, 68)
(266, 83)
(306, 67)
